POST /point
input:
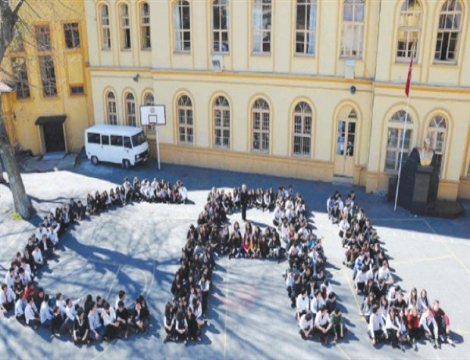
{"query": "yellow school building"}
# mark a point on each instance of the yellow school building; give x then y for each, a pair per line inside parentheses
(303, 88)
(49, 108)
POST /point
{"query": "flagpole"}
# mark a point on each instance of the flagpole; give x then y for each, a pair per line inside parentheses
(401, 151)
(403, 137)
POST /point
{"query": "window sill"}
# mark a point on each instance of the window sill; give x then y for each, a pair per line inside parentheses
(305, 56)
(147, 49)
(301, 157)
(127, 50)
(181, 52)
(406, 62)
(71, 50)
(106, 49)
(222, 148)
(444, 63)
(261, 54)
(358, 58)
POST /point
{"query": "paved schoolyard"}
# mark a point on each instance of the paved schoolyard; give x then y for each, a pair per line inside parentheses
(136, 248)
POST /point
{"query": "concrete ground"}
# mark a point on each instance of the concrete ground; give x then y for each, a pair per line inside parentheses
(136, 248)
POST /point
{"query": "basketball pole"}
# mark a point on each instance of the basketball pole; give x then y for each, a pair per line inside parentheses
(158, 145)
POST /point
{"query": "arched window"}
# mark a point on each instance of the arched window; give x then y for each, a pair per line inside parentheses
(145, 43)
(437, 134)
(105, 28)
(111, 112)
(221, 122)
(130, 110)
(149, 99)
(395, 138)
(450, 20)
(260, 118)
(306, 24)
(302, 129)
(408, 31)
(353, 28)
(182, 24)
(185, 120)
(220, 26)
(125, 27)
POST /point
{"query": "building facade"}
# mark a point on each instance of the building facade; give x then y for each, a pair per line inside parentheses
(307, 88)
(49, 109)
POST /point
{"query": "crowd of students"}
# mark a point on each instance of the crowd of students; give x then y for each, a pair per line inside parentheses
(85, 319)
(391, 316)
(307, 285)
(185, 315)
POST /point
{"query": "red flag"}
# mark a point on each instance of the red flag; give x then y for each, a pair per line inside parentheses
(408, 80)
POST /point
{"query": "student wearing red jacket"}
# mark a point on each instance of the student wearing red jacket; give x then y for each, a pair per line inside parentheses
(413, 326)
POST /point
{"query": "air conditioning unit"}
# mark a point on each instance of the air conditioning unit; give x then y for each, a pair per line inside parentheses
(349, 65)
(217, 62)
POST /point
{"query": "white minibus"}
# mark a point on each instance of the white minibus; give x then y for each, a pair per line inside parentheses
(126, 145)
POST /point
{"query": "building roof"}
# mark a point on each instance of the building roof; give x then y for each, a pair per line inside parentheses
(4, 88)
(53, 119)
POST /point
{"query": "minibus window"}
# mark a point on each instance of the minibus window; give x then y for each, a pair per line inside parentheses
(138, 139)
(127, 142)
(104, 139)
(93, 138)
(116, 140)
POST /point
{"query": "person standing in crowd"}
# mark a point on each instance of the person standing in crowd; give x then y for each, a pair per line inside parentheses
(243, 201)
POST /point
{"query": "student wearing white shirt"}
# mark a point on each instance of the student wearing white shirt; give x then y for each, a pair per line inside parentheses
(37, 256)
(376, 326)
(302, 304)
(70, 314)
(323, 324)
(392, 326)
(306, 325)
(45, 313)
(7, 299)
(53, 233)
(31, 313)
(40, 231)
(60, 303)
(111, 325)
(317, 302)
(10, 277)
(429, 325)
(361, 279)
(121, 297)
(19, 310)
(384, 273)
(96, 328)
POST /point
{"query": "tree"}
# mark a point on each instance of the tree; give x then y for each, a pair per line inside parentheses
(22, 203)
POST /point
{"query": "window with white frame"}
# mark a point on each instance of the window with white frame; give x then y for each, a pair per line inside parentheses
(352, 32)
(105, 28)
(182, 24)
(48, 79)
(221, 122)
(125, 27)
(262, 12)
(20, 73)
(111, 109)
(437, 135)
(43, 37)
(302, 129)
(220, 26)
(261, 124)
(130, 110)
(145, 26)
(450, 20)
(149, 100)
(72, 35)
(306, 24)
(395, 137)
(408, 30)
(185, 120)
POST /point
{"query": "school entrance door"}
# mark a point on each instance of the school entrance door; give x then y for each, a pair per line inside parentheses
(345, 150)
(53, 132)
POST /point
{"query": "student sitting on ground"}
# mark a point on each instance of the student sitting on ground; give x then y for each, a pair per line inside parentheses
(7, 299)
(322, 324)
(306, 326)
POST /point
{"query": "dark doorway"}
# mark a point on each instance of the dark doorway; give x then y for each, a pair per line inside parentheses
(53, 131)
(54, 137)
